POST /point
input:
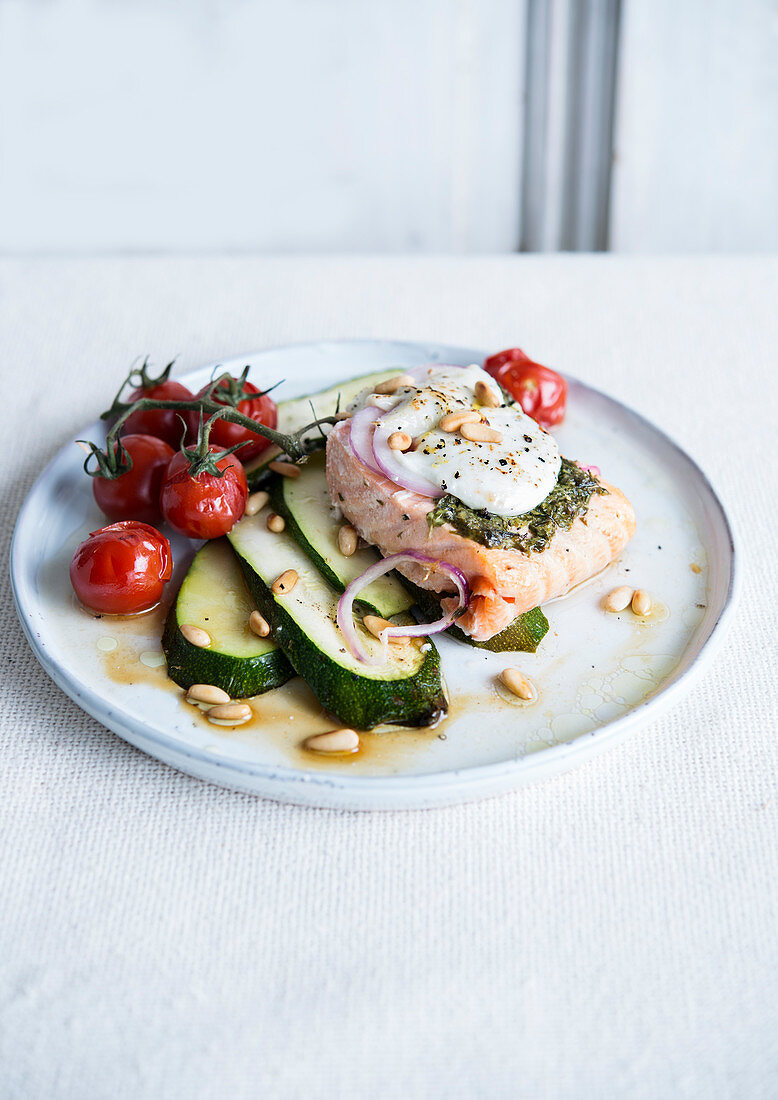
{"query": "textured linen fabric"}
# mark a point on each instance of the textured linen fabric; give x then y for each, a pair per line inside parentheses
(610, 933)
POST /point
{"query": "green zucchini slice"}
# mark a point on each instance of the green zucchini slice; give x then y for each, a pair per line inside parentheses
(214, 596)
(404, 688)
(305, 504)
(296, 412)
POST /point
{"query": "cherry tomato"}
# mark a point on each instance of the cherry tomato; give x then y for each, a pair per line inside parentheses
(135, 494)
(121, 569)
(541, 392)
(206, 506)
(261, 408)
(163, 423)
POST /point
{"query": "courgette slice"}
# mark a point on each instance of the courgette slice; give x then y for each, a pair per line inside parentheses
(305, 504)
(404, 688)
(524, 634)
(214, 596)
(296, 412)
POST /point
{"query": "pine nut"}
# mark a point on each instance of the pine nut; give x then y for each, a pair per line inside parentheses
(452, 422)
(256, 502)
(196, 635)
(206, 693)
(347, 540)
(285, 583)
(618, 599)
(641, 602)
(230, 712)
(480, 433)
(392, 385)
(375, 624)
(258, 625)
(275, 523)
(485, 395)
(399, 441)
(286, 469)
(518, 683)
(334, 742)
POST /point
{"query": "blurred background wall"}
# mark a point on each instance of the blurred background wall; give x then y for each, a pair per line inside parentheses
(388, 125)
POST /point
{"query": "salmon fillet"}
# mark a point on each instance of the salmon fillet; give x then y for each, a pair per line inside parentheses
(503, 583)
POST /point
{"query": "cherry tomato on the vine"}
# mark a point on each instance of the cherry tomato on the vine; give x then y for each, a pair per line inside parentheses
(261, 408)
(206, 506)
(163, 423)
(541, 392)
(121, 569)
(135, 494)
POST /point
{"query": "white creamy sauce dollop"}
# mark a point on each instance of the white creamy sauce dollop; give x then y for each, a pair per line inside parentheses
(506, 478)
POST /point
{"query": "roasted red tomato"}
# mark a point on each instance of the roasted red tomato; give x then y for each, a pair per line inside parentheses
(121, 569)
(261, 408)
(205, 506)
(135, 494)
(540, 391)
(163, 423)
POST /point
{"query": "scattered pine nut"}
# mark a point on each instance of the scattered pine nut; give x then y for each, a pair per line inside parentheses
(641, 602)
(392, 385)
(206, 693)
(695, 568)
(347, 540)
(256, 502)
(334, 742)
(399, 441)
(485, 395)
(619, 599)
(229, 713)
(480, 433)
(285, 583)
(518, 683)
(258, 625)
(286, 469)
(275, 523)
(196, 635)
(452, 422)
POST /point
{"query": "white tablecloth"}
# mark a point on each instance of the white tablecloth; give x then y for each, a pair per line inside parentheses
(611, 933)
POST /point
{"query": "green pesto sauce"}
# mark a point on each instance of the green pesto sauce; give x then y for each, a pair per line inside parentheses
(532, 532)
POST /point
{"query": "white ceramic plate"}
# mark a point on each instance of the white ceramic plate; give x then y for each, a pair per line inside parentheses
(600, 676)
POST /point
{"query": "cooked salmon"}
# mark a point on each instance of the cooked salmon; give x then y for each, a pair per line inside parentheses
(503, 583)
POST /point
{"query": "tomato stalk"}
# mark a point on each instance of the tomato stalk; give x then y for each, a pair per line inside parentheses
(202, 460)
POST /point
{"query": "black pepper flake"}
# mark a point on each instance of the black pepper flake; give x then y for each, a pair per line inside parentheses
(527, 438)
(456, 474)
(405, 516)
(503, 461)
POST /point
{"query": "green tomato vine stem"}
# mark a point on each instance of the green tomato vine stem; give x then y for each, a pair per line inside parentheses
(114, 460)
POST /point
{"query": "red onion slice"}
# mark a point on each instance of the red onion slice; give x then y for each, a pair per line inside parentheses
(361, 428)
(392, 467)
(419, 630)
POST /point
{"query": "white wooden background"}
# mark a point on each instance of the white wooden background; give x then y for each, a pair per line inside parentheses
(357, 125)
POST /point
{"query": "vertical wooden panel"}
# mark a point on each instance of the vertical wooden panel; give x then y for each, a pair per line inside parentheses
(294, 126)
(697, 131)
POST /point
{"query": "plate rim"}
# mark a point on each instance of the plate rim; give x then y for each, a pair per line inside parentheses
(467, 780)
